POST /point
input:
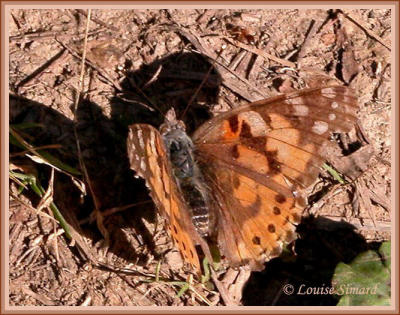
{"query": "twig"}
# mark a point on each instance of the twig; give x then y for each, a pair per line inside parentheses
(206, 50)
(134, 85)
(48, 146)
(48, 34)
(378, 199)
(77, 100)
(312, 30)
(366, 201)
(154, 77)
(367, 224)
(38, 212)
(39, 70)
(225, 295)
(365, 29)
(234, 88)
(260, 52)
(133, 101)
(47, 197)
(114, 210)
(101, 72)
(312, 209)
(41, 298)
(45, 202)
(97, 204)
(111, 27)
(41, 156)
(237, 59)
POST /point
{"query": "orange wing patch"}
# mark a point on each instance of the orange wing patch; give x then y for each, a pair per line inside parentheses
(255, 221)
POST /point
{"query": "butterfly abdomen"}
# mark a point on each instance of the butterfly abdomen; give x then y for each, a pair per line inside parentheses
(196, 198)
(189, 178)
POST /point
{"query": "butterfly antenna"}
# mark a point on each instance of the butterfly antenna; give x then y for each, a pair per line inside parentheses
(202, 82)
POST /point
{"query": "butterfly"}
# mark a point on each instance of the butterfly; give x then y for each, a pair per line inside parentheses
(238, 181)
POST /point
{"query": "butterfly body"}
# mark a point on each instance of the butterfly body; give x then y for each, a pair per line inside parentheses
(240, 177)
(186, 173)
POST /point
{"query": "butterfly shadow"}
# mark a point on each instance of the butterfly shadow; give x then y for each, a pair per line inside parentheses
(104, 155)
(180, 81)
(321, 245)
(112, 187)
(186, 82)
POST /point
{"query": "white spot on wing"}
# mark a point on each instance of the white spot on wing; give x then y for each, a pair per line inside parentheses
(140, 138)
(334, 105)
(143, 165)
(320, 127)
(131, 142)
(332, 116)
(300, 110)
(255, 121)
(152, 142)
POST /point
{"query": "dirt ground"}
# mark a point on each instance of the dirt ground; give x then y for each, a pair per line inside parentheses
(141, 62)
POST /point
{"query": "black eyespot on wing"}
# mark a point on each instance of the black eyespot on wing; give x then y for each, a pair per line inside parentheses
(280, 198)
(276, 211)
(256, 240)
(271, 228)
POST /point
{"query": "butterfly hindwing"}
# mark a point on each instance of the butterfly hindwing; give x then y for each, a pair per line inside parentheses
(254, 220)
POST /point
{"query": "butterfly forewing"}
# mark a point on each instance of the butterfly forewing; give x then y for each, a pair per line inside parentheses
(285, 134)
(256, 159)
(147, 156)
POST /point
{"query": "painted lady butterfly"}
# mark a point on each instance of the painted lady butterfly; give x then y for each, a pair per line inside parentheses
(238, 180)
